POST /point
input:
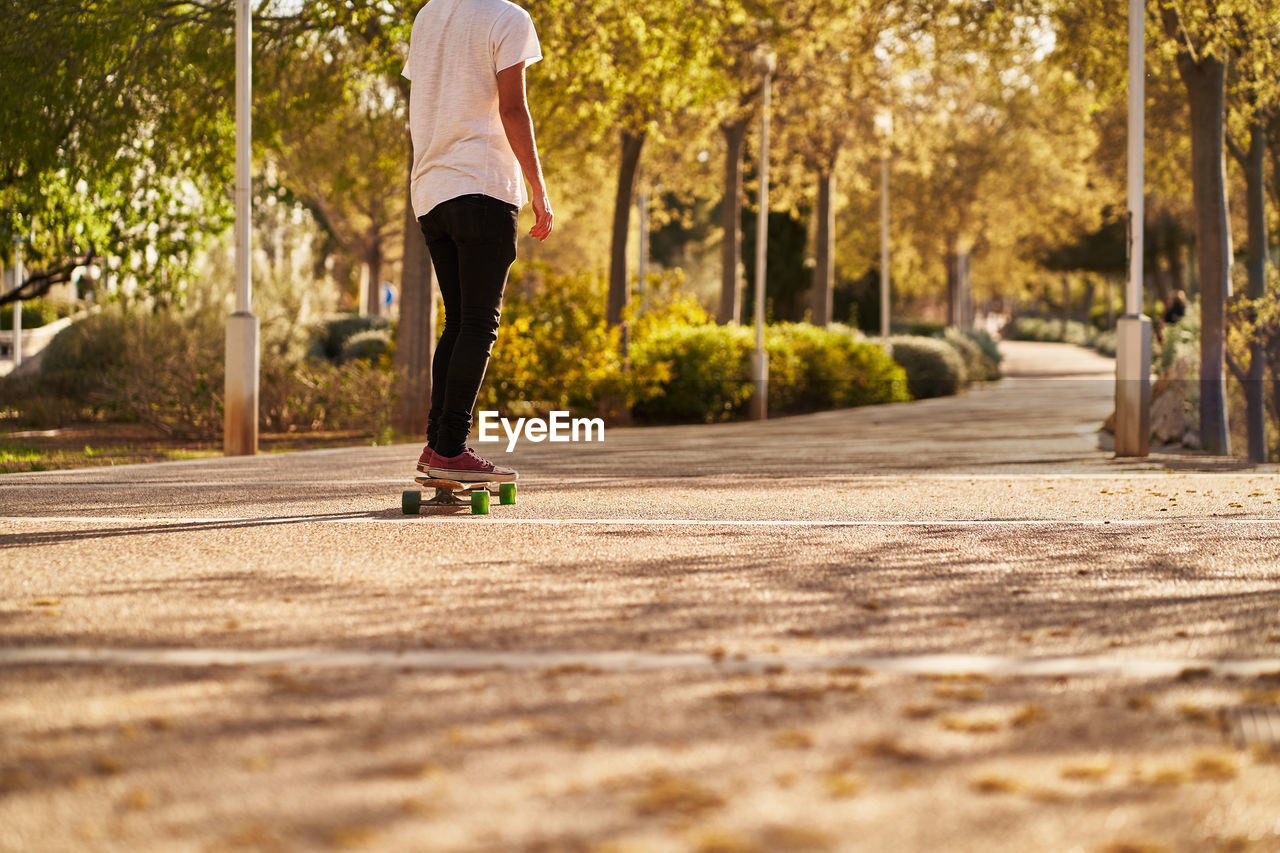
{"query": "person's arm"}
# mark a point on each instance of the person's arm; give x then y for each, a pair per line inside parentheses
(516, 121)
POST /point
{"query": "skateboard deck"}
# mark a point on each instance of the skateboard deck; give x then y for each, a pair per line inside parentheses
(449, 493)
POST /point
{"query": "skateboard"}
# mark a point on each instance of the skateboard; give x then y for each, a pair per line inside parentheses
(448, 493)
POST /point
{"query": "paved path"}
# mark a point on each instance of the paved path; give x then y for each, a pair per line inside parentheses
(948, 625)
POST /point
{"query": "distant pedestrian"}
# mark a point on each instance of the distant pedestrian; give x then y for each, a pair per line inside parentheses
(1176, 309)
(473, 141)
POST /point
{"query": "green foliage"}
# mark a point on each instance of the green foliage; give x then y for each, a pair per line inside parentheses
(369, 345)
(933, 367)
(920, 329)
(164, 368)
(77, 363)
(1044, 330)
(331, 335)
(835, 369)
(979, 367)
(708, 371)
(809, 369)
(310, 395)
(1177, 341)
(172, 378)
(554, 349)
(990, 348)
(35, 312)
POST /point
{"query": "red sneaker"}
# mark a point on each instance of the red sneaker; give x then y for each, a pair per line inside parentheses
(467, 467)
(424, 461)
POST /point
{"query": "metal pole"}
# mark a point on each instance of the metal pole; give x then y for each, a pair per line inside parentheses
(18, 275)
(759, 358)
(884, 243)
(244, 141)
(1133, 332)
(240, 427)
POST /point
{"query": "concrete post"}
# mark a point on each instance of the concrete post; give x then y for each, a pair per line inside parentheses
(1133, 386)
(240, 418)
(1133, 331)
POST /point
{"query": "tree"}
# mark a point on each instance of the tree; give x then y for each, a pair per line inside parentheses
(634, 67)
(114, 122)
(325, 117)
(1254, 97)
(995, 158)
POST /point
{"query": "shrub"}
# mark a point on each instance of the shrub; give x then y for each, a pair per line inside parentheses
(369, 345)
(811, 369)
(978, 367)
(314, 394)
(173, 378)
(707, 371)
(35, 313)
(1041, 329)
(919, 329)
(77, 363)
(933, 367)
(332, 333)
(554, 349)
(989, 347)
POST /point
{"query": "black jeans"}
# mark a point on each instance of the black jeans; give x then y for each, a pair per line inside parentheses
(472, 239)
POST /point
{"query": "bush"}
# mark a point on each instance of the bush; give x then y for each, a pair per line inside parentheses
(989, 347)
(174, 375)
(77, 364)
(933, 367)
(919, 329)
(35, 313)
(812, 369)
(314, 394)
(333, 333)
(978, 367)
(809, 369)
(707, 371)
(554, 349)
(369, 345)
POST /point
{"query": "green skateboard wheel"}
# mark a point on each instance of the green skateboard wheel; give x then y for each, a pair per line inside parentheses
(506, 493)
(480, 502)
(410, 502)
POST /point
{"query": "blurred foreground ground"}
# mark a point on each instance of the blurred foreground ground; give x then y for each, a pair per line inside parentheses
(948, 625)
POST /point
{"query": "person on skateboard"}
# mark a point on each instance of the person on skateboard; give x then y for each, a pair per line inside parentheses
(473, 141)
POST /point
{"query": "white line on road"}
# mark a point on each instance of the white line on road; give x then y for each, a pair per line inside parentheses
(263, 521)
(630, 661)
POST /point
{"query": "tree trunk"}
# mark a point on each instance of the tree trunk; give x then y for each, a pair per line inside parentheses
(628, 166)
(953, 281)
(824, 268)
(373, 271)
(735, 135)
(1255, 166)
(1066, 304)
(415, 339)
(1205, 83)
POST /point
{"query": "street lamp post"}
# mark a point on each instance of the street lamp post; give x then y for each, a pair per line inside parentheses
(1133, 331)
(240, 424)
(766, 63)
(884, 128)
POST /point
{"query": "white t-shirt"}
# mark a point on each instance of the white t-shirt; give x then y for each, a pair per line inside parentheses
(459, 145)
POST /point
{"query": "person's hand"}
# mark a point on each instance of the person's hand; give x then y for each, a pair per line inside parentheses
(542, 224)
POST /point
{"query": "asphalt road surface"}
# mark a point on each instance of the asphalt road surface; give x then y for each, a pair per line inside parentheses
(949, 625)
